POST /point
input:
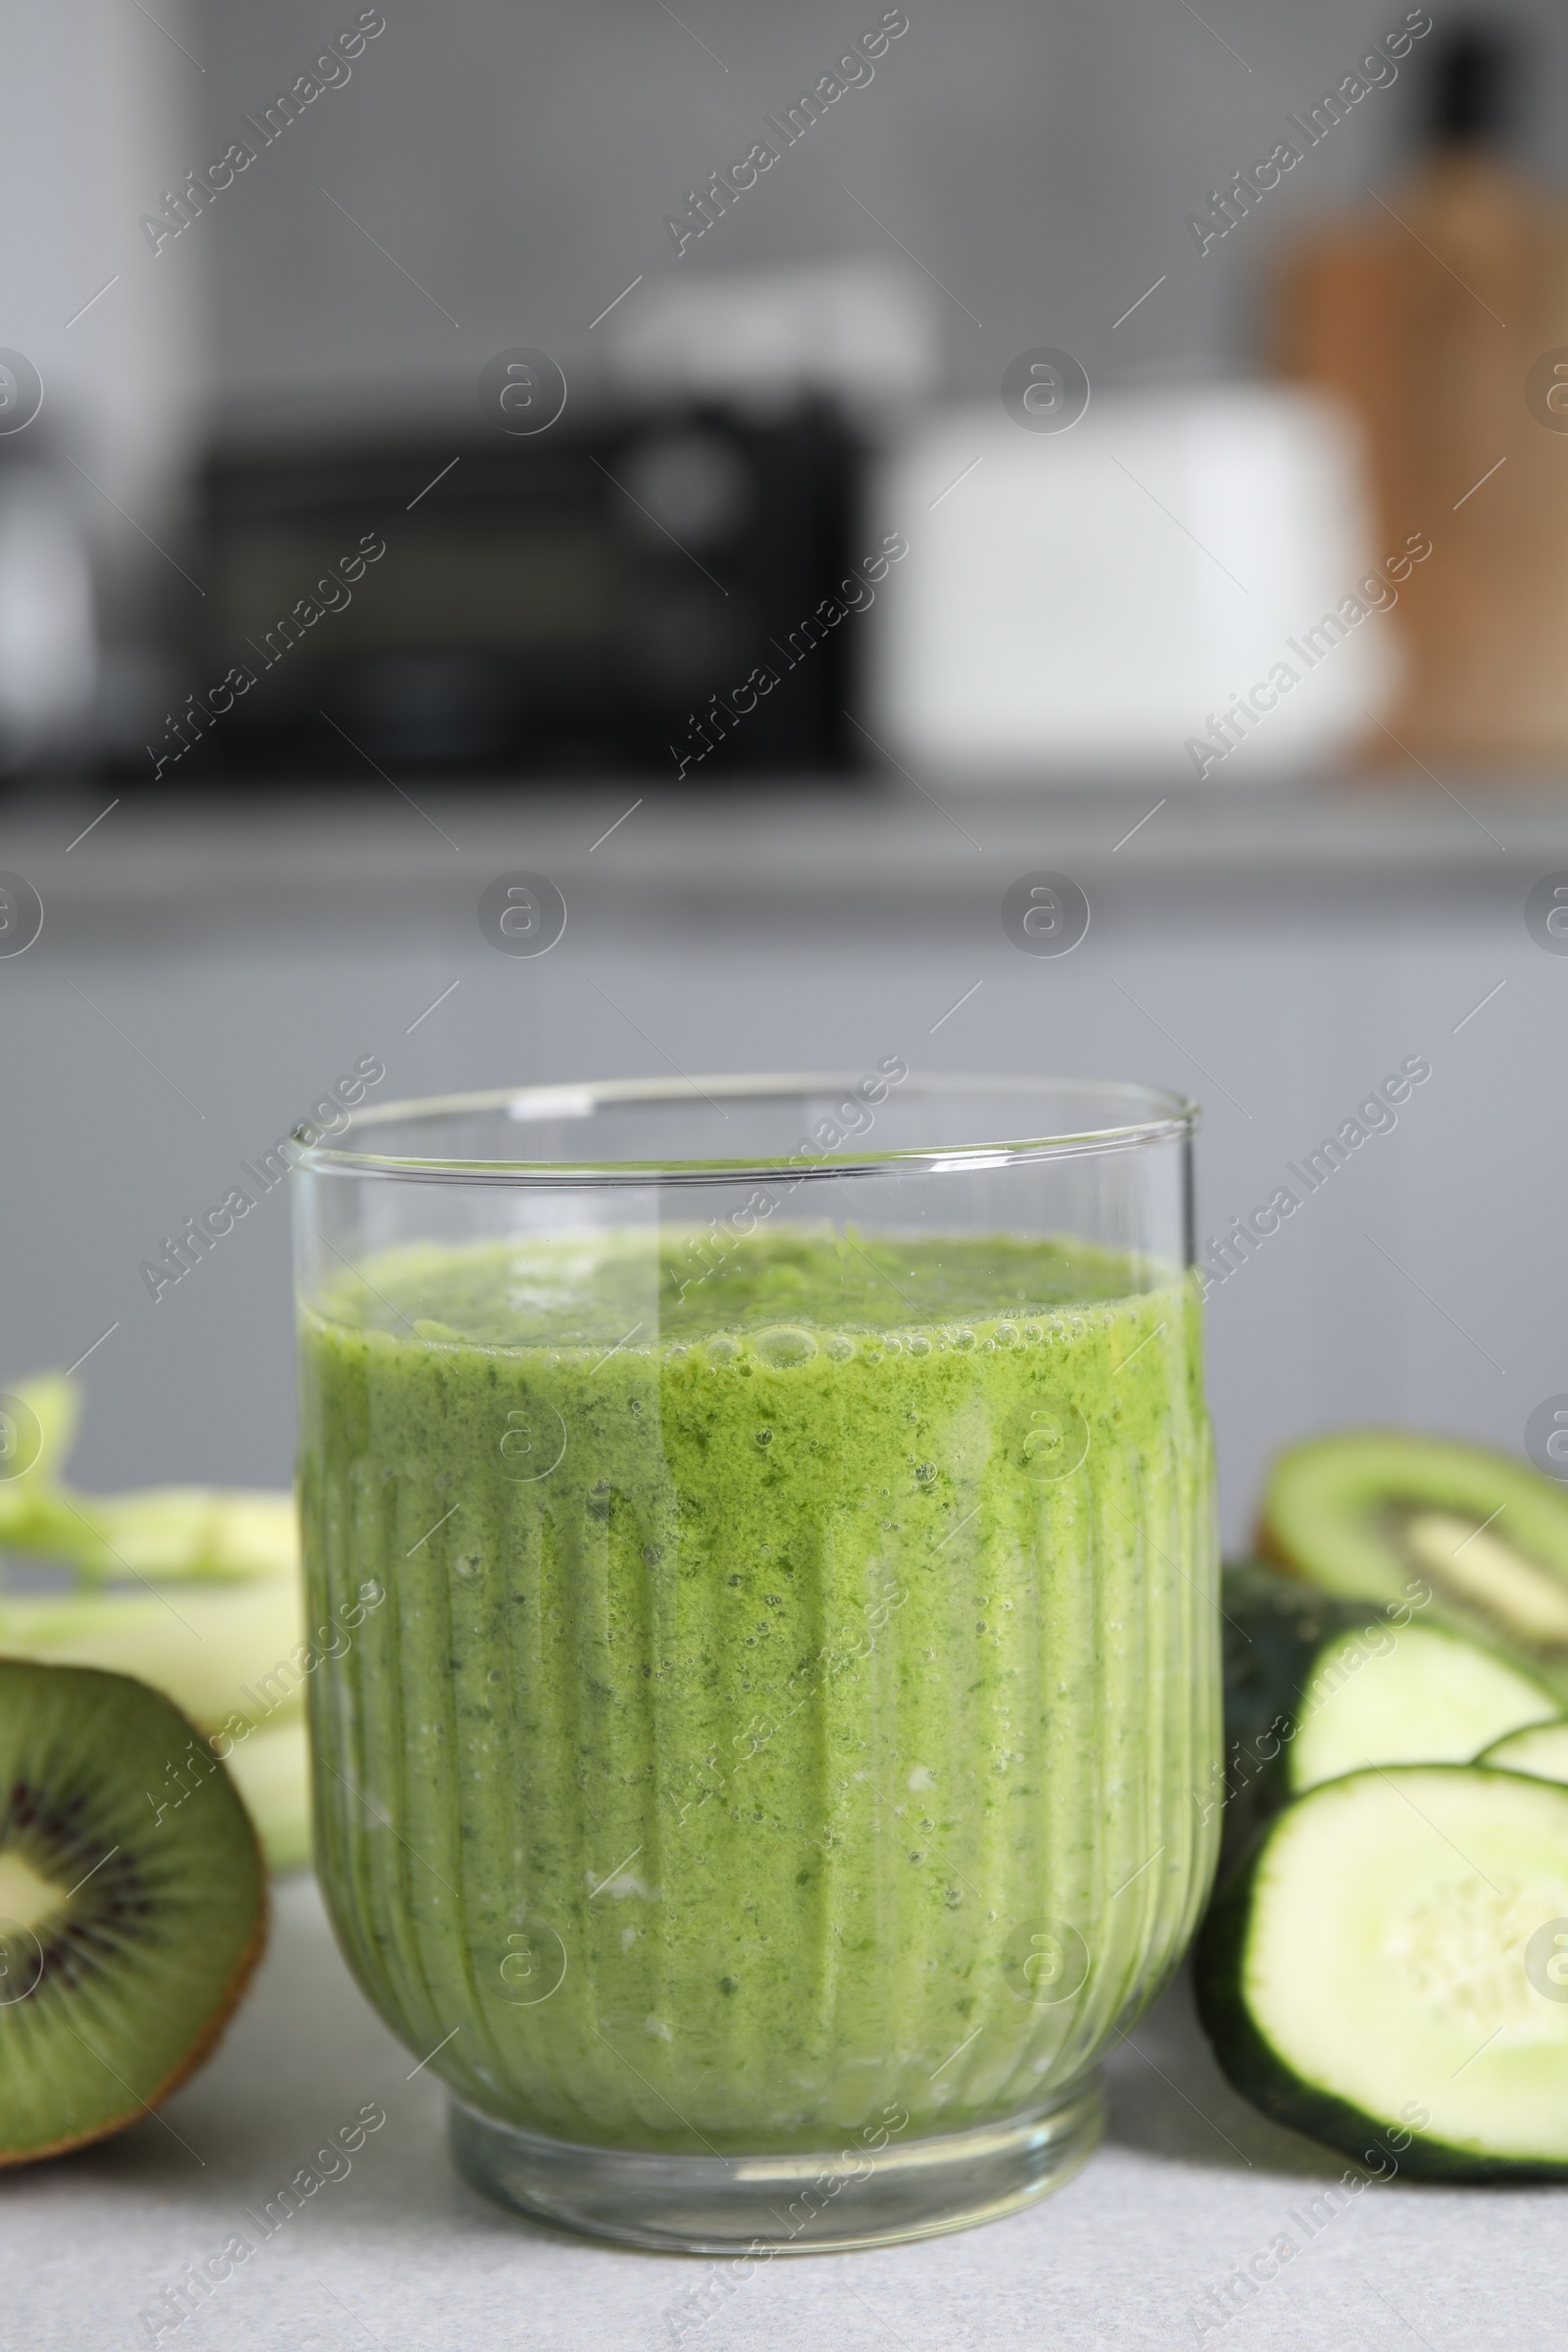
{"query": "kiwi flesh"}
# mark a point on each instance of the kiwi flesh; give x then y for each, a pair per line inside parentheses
(133, 1904)
(1380, 1514)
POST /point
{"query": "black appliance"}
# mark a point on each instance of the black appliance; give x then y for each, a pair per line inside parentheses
(594, 598)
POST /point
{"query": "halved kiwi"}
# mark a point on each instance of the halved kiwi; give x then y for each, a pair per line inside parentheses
(133, 1904)
(1377, 1514)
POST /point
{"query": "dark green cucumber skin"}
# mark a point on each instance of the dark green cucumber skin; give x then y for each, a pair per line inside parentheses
(1252, 2066)
(1274, 1630)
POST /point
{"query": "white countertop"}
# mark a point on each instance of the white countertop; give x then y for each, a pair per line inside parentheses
(400, 2255)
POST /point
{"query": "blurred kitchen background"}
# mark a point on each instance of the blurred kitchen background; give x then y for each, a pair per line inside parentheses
(785, 474)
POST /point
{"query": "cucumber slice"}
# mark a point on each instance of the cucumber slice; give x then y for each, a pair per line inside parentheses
(1541, 1752)
(1380, 1974)
(202, 1645)
(1420, 1695)
(271, 1770)
(1275, 1629)
(1316, 1686)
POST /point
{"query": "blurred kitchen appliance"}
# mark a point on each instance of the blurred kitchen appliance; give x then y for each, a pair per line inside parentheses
(1442, 320)
(1123, 597)
(590, 597)
(49, 652)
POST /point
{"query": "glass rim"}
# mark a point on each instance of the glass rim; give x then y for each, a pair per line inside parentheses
(1150, 1115)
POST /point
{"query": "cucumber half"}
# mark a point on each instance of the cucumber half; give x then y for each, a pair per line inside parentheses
(1389, 1973)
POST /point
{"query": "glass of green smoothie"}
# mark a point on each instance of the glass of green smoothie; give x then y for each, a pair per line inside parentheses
(772, 1762)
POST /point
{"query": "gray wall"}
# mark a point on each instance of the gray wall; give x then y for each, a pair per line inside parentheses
(518, 162)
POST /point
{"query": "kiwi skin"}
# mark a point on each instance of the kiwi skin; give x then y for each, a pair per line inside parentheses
(95, 1689)
(195, 2057)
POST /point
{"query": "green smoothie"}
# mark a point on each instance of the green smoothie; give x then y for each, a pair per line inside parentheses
(796, 1682)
